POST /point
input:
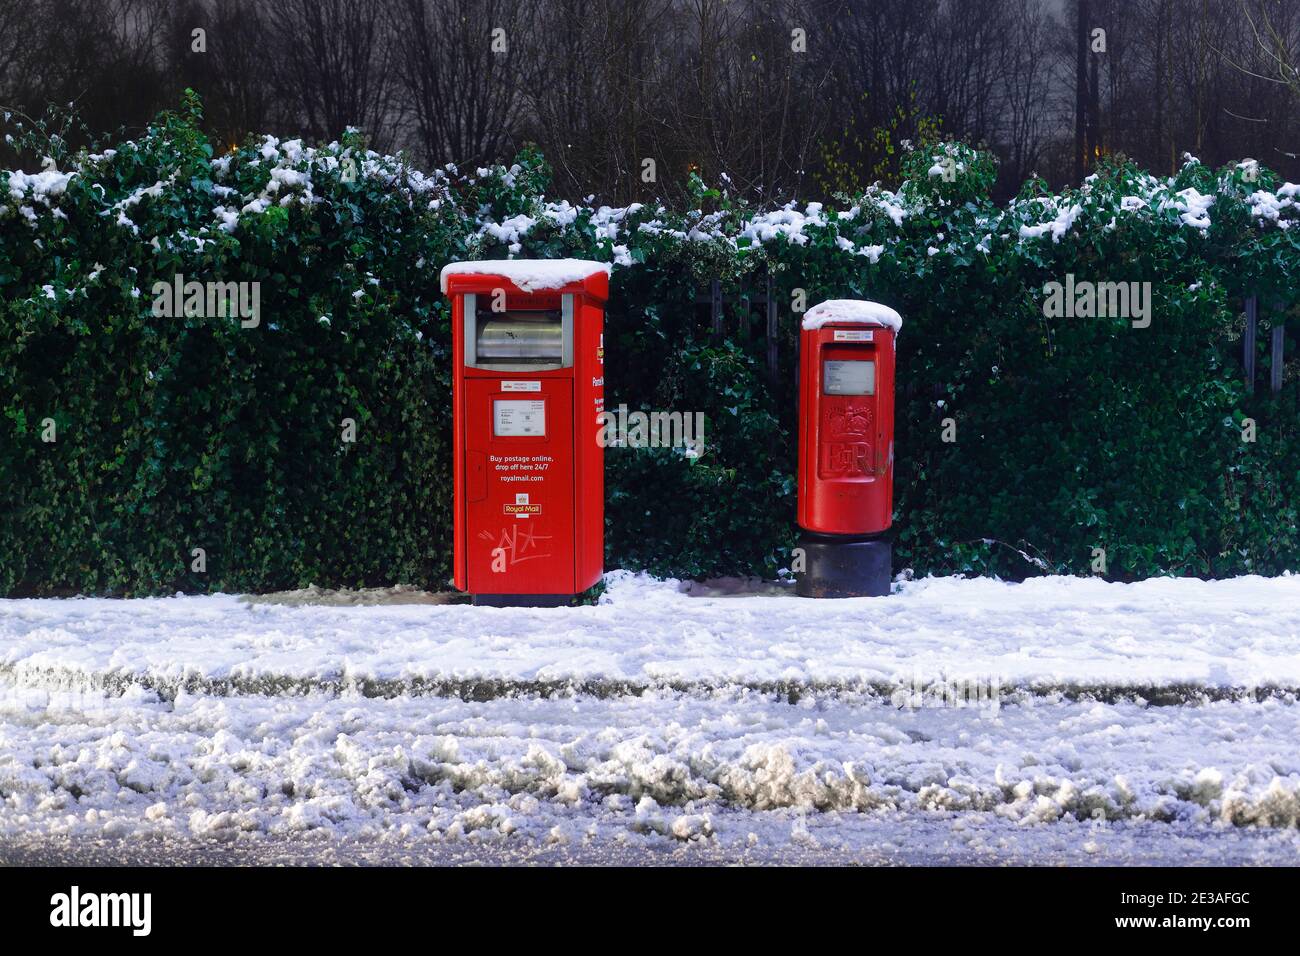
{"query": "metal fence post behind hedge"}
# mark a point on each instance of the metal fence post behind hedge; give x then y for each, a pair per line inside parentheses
(742, 310)
(772, 331)
(715, 293)
(1248, 342)
(1279, 343)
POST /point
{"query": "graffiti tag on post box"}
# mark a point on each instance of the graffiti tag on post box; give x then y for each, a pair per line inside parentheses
(515, 545)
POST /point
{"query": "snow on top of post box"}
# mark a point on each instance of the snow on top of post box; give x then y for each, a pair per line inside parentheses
(857, 311)
(530, 275)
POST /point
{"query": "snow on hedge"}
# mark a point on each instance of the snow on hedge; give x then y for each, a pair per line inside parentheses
(150, 193)
(248, 183)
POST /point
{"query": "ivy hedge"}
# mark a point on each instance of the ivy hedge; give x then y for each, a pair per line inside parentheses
(1026, 442)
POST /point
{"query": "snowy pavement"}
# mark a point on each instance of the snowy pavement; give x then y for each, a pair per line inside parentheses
(957, 721)
(1046, 633)
(830, 839)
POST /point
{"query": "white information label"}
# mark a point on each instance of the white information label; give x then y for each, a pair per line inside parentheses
(512, 417)
(848, 378)
(854, 335)
(521, 386)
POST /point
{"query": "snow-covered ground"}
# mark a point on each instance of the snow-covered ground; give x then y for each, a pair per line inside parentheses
(1060, 719)
(1046, 632)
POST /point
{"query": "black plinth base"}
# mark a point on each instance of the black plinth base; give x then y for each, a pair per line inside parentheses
(840, 565)
(522, 600)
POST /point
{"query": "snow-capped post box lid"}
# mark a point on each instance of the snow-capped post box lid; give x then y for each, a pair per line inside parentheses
(530, 275)
(853, 311)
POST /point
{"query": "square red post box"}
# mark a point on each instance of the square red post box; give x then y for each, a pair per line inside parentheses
(846, 448)
(528, 388)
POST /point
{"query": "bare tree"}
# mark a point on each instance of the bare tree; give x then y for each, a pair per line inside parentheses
(752, 106)
(332, 66)
(104, 57)
(232, 68)
(779, 108)
(601, 98)
(16, 30)
(464, 68)
(968, 57)
(1274, 38)
(1027, 82)
(718, 87)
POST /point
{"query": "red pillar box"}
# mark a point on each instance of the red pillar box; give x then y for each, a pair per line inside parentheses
(846, 448)
(528, 386)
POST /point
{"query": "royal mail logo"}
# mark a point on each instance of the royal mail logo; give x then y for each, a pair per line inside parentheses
(522, 509)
